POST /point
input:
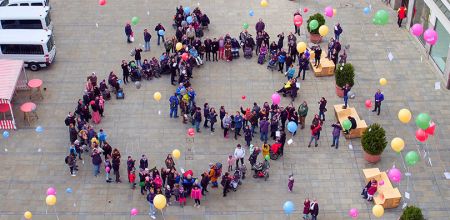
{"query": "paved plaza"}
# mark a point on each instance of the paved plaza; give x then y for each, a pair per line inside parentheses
(32, 162)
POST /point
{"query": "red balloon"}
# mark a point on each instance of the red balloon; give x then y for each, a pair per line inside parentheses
(102, 2)
(191, 132)
(298, 20)
(184, 56)
(243, 97)
(421, 135)
(431, 128)
(368, 103)
(305, 10)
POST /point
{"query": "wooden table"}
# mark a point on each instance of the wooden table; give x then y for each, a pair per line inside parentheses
(29, 112)
(35, 87)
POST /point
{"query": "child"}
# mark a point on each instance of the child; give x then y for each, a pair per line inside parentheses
(132, 179)
(108, 168)
(291, 182)
(196, 195)
(230, 161)
(168, 194)
(221, 48)
(176, 191)
(182, 197)
(372, 190)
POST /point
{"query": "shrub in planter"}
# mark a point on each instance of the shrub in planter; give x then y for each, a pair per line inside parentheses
(412, 213)
(344, 74)
(373, 142)
(319, 17)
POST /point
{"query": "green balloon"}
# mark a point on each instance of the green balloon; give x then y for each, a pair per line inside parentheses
(412, 158)
(313, 25)
(245, 26)
(267, 157)
(381, 17)
(134, 20)
(347, 124)
(423, 121)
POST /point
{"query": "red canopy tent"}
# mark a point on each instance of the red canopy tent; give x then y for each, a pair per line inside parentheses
(12, 77)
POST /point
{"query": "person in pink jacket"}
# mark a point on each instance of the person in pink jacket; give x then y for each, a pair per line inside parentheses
(196, 194)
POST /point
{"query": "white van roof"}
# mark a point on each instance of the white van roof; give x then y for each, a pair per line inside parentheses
(24, 36)
(24, 1)
(12, 13)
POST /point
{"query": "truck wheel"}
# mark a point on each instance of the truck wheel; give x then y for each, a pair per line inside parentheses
(34, 66)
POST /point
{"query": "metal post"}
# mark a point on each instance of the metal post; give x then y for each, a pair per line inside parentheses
(410, 13)
(12, 114)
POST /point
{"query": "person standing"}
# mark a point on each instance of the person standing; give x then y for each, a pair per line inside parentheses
(280, 40)
(147, 37)
(143, 163)
(71, 162)
(130, 164)
(379, 97)
(317, 55)
(160, 36)
(401, 14)
(302, 113)
(297, 29)
(206, 115)
(237, 124)
(264, 129)
(260, 26)
(315, 129)
(337, 31)
(174, 102)
(102, 137)
(290, 182)
(137, 57)
(151, 195)
(239, 154)
(336, 133)
(116, 164)
(322, 108)
(314, 209)
(214, 49)
(197, 119)
(226, 124)
(125, 71)
(346, 89)
(212, 118)
(128, 32)
(303, 64)
(221, 115)
(225, 183)
(96, 161)
(306, 207)
(281, 60)
(208, 48)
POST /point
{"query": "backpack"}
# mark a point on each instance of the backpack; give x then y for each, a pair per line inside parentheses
(66, 160)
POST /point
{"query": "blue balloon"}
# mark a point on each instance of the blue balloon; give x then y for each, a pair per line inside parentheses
(187, 10)
(366, 10)
(189, 19)
(292, 127)
(120, 82)
(161, 32)
(39, 129)
(288, 207)
(5, 134)
(251, 13)
(69, 190)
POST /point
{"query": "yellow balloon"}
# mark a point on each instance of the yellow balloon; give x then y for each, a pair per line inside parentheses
(178, 46)
(397, 144)
(27, 215)
(159, 201)
(404, 115)
(176, 153)
(323, 30)
(334, 11)
(50, 200)
(301, 47)
(157, 96)
(378, 210)
(383, 81)
(264, 3)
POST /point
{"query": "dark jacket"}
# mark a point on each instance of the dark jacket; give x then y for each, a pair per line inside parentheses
(315, 210)
(96, 159)
(137, 55)
(215, 46)
(128, 30)
(264, 126)
(143, 163)
(147, 36)
(260, 26)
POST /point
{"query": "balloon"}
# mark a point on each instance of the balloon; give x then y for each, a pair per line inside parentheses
(137, 84)
(353, 212)
(301, 47)
(378, 211)
(39, 129)
(185, 56)
(288, 207)
(159, 201)
(313, 25)
(276, 98)
(421, 135)
(183, 23)
(383, 81)
(27, 215)
(395, 175)
(431, 128)
(298, 20)
(51, 191)
(5, 134)
(245, 26)
(351, 94)
(107, 169)
(251, 13)
(50, 200)
(430, 36)
(147, 178)
(323, 30)
(381, 182)
(189, 19)
(292, 127)
(134, 20)
(161, 32)
(191, 132)
(397, 144)
(381, 17)
(243, 97)
(423, 121)
(264, 3)
(368, 103)
(417, 30)
(187, 10)
(404, 115)
(366, 10)
(157, 96)
(267, 157)
(176, 153)
(412, 158)
(69, 190)
(347, 124)
(134, 211)
(334, 11)
(102, 2)
(178, 46)
(329, 11)
(119, 81)
(305, 10)
(183, 91)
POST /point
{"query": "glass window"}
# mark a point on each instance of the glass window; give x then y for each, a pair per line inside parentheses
(439, 51)
(30, 24)
(4, 3)
(37, 4)
(421, 15)
(50, 44)
(8, 24)
(24, 4)
(21, 49)
(48, 19)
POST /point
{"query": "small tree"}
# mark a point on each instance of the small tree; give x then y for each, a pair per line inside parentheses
(345, 74)
(320, 19)
(373, 139)
(412, 213)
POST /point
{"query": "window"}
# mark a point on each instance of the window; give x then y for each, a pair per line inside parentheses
(21, 49)
(421, 14)
(13, 5)
(21, 24)
(37, 4)
(24, 4)
(439, 51)
(50, 44)
(4, 3)
(48, 20)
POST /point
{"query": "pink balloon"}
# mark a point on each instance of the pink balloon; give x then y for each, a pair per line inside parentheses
(329, 11)
(431, 128)
(430, 36)
(298, 20)
(51, 191)
(102, 2)
(305, 10)
(147, 178)
(107, 169)
(421, 135)
(368, 103)
(184, 56)
(353, 213)
(276, 98)
(134, 211)
(191, 132)
(381, 182)
(395, 175)
(417, 30)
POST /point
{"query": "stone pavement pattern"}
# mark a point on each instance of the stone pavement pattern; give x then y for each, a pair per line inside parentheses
(332, 176)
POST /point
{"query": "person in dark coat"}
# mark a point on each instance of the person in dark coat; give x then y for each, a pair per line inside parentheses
(314, 208)
(143, 163)
(303, 64)
(72, 133)
(128, 32)
(204, 182)
(280, 40)
(208, 48)
(214, 49)
(225, 183)
(289, 61)
(160, 36)
(248, 135)
(317, 55)
(147, 37)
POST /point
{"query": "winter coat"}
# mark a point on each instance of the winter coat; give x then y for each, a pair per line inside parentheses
(260, 26)
(143, 164)
(227, 121)
(196, 193)
(302, 110)
(336, 130)
(264, 126)
(238, 121)
(307, 205)
(239, 153)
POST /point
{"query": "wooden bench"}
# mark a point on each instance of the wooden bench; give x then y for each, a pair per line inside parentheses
(342, 115)
(326, 67)
(387, 196)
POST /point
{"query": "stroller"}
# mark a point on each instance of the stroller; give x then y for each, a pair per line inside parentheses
(248, 52)
(135, 75)
(236, 180)
(274, 151)
(272, 63)
(261, 170)
(235, 46)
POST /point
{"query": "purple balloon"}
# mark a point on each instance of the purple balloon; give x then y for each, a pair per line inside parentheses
(51, 191)
(276, 98)
(430, 36)
(353, 213)
(134, 211)
(395, 175)
(417, 30)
